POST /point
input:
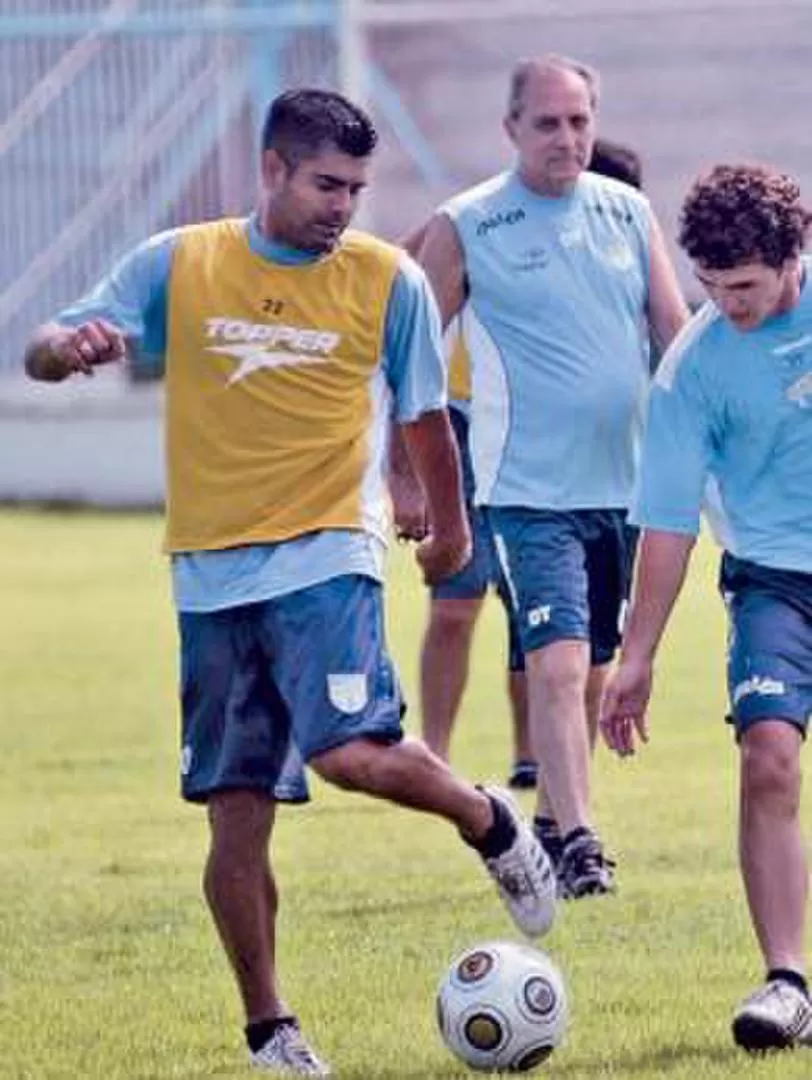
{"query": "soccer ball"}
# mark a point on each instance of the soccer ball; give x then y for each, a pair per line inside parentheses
(502, 1007)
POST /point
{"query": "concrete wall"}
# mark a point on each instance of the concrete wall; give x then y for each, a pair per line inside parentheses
(96, 441)
(688, 83)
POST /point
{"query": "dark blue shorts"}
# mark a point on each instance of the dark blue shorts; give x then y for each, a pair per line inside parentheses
(483, 571)
(569, 574)
(267, 685)
(769, 663)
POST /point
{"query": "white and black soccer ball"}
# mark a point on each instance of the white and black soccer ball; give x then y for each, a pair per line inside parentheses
(502, 1007)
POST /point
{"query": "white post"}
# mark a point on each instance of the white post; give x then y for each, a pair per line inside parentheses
(352, 76)
(351, 34)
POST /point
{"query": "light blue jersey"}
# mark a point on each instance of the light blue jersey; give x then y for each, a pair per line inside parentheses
(730, 427)
(558, 290)
(134, 298)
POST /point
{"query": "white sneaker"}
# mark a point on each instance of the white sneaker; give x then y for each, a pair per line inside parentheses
(287, 1053)
(524, 874)
(777, 1016)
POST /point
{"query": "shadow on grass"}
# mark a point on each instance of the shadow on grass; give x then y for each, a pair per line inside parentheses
(387, 908)
(654, 1061)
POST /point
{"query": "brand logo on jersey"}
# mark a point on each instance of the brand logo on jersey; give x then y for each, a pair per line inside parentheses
(502, 217)
(801, 390)
(535, 258)
(619, 255)
(572, 235)
(761, 685)
(268, 345)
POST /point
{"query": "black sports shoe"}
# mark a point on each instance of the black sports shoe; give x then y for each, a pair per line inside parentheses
(584, 869)
(523, 775)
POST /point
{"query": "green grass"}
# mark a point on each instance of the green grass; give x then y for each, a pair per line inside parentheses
(108, 965)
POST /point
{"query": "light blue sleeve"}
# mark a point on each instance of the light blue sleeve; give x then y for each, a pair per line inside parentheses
(133, 297)
(414, 359)
(677, 450)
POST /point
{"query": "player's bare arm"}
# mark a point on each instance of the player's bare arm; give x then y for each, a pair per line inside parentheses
(55, 352)
(433, 453)
(408, 500)
(413, 241)
(661, 567)
(667, 310)
(442, 257)
(406, 491)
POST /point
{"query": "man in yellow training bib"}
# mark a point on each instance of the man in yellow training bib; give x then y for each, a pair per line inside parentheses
(288, 345)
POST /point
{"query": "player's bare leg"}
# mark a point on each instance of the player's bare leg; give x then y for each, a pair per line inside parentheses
(444, 664)
(557, 680)
(241, 893)
(776, 878)
(524, 772)
(409, 774)
(595, 686)
(772, 854)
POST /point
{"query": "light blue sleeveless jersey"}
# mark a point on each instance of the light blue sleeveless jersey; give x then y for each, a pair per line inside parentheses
(556, 328)
(730, 430)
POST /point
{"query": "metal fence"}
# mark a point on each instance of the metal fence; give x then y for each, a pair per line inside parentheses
(120, 118)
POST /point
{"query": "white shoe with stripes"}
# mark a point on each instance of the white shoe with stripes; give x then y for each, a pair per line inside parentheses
(287, 1053)
(777, 1016)
(524, 874)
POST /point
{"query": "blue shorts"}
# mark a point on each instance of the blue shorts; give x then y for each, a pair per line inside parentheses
(267, 685)
(569, 574)
(483, 570)
(769, 663)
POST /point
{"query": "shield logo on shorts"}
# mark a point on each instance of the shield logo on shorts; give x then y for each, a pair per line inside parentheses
(348, 692)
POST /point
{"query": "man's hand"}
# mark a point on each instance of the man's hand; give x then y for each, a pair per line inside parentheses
(443, 554)
(87, 347)
(624, 706)
(408, 508)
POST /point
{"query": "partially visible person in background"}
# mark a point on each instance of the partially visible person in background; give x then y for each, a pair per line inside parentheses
(616, 160)
(456, 602)
(285, 338)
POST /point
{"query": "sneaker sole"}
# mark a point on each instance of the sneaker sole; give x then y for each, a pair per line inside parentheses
(586, 892)
(758, 1036)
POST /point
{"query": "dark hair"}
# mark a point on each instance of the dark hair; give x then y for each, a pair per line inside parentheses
(743, 213)
(301, 123)
(617, 161)
(551, 62)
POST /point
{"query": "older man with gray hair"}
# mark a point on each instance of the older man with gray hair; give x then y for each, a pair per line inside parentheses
(557, 270)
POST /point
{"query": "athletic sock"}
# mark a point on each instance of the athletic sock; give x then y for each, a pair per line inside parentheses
(258, 1032)
(546, 826)
(794, 978)
(501, 835)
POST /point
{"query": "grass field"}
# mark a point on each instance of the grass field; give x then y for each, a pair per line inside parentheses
(108, 965)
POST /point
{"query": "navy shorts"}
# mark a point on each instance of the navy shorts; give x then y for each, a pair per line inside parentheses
(569, 574)
(483, 571)
(268, 685)
(769, 662)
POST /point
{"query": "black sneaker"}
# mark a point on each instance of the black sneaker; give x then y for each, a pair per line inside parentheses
(583, 868)
(523, 776)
